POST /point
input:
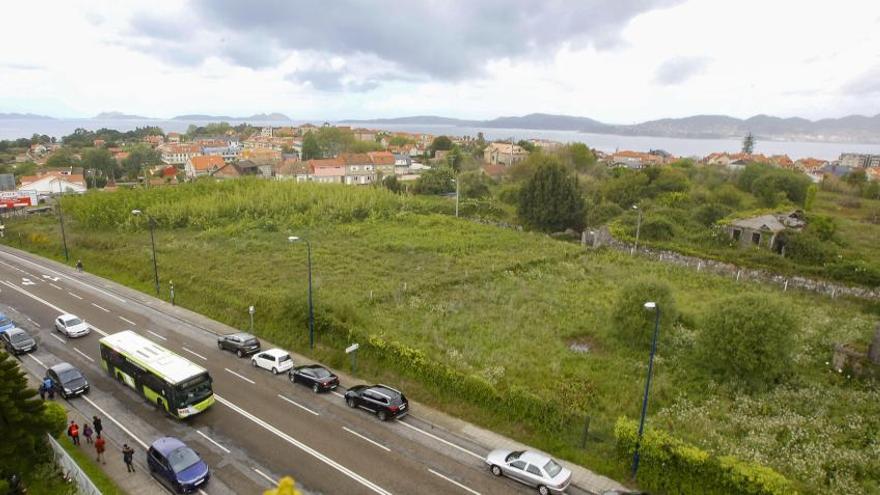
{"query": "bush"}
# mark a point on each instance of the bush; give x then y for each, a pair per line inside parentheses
(602, 213)
(56, 417)
(634, 324)
(669, 465)
(551, 199)
(708, 214)
(807, 248)
(748, 340)
(657, 229)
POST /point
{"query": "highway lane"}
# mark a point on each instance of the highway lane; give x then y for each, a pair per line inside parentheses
(370, 457)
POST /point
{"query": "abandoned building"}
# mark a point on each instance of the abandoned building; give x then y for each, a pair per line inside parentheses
(765, 230)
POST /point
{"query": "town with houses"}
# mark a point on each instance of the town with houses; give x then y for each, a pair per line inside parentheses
(276, 153)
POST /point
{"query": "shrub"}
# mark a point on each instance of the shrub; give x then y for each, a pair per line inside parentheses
(748, 340)
(807, 248)
(708, 214)
(669, 465)
(657, 229)
(602, 213)
(56, 418)
(633, 324)
(551, 199)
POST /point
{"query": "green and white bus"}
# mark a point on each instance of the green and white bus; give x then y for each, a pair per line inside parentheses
(173, 383)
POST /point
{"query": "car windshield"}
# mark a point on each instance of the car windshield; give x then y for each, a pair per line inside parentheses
(513, 456)
(69, 375)
(250, 341)
(73, 321)
(194, 390)
(5, 321)
(20, 337)
(283, 358)
(321, 373)
(552, 468)
(182, 458)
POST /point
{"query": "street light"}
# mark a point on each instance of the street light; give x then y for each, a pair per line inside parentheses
(638, 228)
(61, 218)
(152, 223)
(650, 306)
(293, 239)
(456, 197)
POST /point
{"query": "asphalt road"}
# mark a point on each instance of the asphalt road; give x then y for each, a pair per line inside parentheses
(262, 427)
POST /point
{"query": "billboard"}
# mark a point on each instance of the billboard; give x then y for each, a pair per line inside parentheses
(17, 199)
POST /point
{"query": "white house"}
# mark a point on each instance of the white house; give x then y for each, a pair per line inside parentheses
(53, 183)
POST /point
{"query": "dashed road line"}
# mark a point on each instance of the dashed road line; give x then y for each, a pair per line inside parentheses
(101, 308)
(47, 303)
(37, 360)
(463, 487)
(194, 353)
(266, 477)
(435, 437)
(154, 334)
(206, 437)
(46, 268)
(127, 320)
(377, 444)
(117, 423)
(337, 394)
(81, 353)
(59, 338)
(34, 323)
(53, 285)
(240, 376)
(75, 295)
(304, 408)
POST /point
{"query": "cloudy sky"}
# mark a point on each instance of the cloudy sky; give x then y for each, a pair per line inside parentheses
(618, 61)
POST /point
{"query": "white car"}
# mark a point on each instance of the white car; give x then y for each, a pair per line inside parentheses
(530, 468)
(274, 360)
(71, 325)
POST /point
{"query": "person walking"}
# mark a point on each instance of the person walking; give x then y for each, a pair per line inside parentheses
(79, 266)
(128, 457)
(42, 391)
(96, 422)
(87, 432)
(73, 432)
(48, 388)
(99, 448)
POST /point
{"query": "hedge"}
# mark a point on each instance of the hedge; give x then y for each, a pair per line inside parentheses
(670, 466)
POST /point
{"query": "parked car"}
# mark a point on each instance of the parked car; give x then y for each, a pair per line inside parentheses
(18, 341)
(319, 378)
(5, 323)
(71, 325)
(274, 360)
(177, 466)
(240, 343)
(67, 380)
(530, 468)
(382, 400)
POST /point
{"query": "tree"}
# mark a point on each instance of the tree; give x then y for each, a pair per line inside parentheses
(748, 340)
(310, 148)
(473, 184)
(140, 156)
(551, 199)
(441, 143)
(392, 184)
(748, 144)
(454, 158)
(64, 157)
(23, 419)
(526, 145)
(579, 155)
(438, 180)
(100, 159)
(334, 140)
(810, 199)
(400, 141)
(631, 322)
(856, 178)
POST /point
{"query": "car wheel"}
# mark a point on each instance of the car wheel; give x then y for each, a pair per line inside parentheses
(350, 402)
(543, 490)
(291, 377)
(220, 345)
(316, 388)
(274, 370)
(239, 353)
(254, 362)
(495, 470)
(382, 415)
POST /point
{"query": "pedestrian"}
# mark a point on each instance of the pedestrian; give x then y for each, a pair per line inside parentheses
(48, 388)
(42, 391)
(73, 432)
(51, 393)
(79, 266)
(87, 432)
(96, 422)
(127, 457)
(99, 448)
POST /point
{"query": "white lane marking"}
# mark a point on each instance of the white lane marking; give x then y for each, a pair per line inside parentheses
(38, 361)
(206, 437)
(41, 267)
(12, 266)
(26, 281)
(154, 334)
(203, 358)
(35, 323)
(264, 475)
(463, 487)
(81, 353)
(377, 444)
(305, 448)
(75, 295)
(242, 377)
(435, 437)
(101, 308)
(126, 430)
(337, 394)
(127, 320)
(49, 277)
(59, 338)
(53, 285)
(304, 408)
(47, 303)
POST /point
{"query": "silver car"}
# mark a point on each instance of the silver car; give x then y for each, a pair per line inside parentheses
(530, 468)
(71, 325)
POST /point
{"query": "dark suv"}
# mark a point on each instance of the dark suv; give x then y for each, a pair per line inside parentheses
(240, 343)
(383, 400)
(67, 380)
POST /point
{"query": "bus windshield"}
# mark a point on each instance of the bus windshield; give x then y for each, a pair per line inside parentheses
(194, 390)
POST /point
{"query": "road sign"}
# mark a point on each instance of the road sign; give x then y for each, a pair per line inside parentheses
(352, 348)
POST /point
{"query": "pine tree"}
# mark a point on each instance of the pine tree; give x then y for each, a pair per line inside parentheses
(551, 199)
(23, 422)
(310, 147)
(748, 144)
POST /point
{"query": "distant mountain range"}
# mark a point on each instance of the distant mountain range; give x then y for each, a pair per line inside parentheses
(24, 116)
(279, 117)
(853, 128)
(262, 117)
(118, 116)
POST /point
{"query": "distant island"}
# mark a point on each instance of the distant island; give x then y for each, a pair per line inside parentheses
(275, 116)
(118, 116)
(24, 116)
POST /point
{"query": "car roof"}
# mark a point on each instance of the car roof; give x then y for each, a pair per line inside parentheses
(166, 445)
(68, 316)
(276, 352)
(13, 331)
(312, 367)
(244, 335)
(535, 458)
(57, 368)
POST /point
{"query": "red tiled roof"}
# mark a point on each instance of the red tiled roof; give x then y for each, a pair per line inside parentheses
(324, 163)
(207, 162)
(381, 157)
(355, 158)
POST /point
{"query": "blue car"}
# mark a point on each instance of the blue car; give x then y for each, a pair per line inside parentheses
(5, 323)
(177, 466)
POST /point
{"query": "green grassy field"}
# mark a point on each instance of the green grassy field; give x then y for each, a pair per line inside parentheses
(499, 306)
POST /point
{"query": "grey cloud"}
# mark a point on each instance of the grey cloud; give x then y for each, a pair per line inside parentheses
(866, 84)
(443, 40)
(679, 69)
(331, 80)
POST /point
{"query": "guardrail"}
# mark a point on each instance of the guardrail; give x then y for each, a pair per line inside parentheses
(71, 469)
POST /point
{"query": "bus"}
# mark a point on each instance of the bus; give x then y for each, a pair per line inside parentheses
(174, 384)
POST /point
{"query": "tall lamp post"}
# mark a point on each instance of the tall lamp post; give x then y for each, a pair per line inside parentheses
(61, 219)
(152, 223)
(456, 196)
(638, 228)
(650, 306)
(292, 239)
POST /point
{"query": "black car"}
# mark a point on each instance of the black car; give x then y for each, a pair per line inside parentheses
(383, 400)
(319, 378)
(17, 341)
(67, 380)
(240, 343)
